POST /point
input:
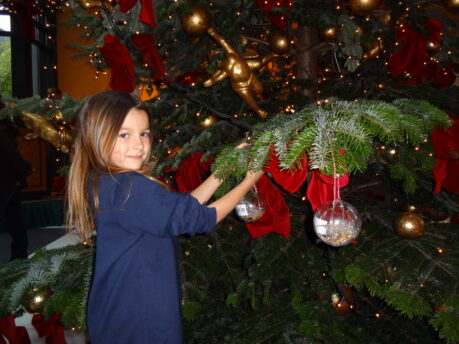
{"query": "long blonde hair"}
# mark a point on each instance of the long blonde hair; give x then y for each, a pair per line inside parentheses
(98, 124)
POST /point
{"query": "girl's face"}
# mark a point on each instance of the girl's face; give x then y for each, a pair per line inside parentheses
(132, 145)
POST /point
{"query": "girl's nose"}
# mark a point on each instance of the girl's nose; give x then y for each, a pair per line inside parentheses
(138, 143)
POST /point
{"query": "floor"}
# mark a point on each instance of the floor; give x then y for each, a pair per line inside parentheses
(38, 238)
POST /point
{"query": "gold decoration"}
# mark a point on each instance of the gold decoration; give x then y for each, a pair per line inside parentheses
(196, 23)
(363, 7)
(238, 68)
(279, 43)
(41, 127)
(89, 3)
(329, 34)
(35, 299)
(240, 72)
(409, 225)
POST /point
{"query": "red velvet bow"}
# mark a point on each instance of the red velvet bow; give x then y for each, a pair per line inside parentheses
(276, 19)
(277, 215)
(120, 61)
(52, 330)
(14, 334)
(144, 44)
(147, 14)
(289, 180)
(446, 147)
(320, 188)
(412, 55)
(188, 176)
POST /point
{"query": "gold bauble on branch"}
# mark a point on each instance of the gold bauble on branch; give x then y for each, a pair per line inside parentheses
(34, 300)
(363, 7)
(329, 33)
(279, 43)
(89, 3)
(196, 23)
(409, 225)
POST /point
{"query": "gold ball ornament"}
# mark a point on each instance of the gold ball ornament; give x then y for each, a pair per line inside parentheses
(363, 7)
(279, 43)
(329, 34)
(435, 214)
(196, 23)
(35, 299)
(409, 225)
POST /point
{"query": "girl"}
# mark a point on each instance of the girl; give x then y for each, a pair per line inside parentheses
(135, 293)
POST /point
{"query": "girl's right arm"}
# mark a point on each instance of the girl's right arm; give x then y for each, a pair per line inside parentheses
(229, 201)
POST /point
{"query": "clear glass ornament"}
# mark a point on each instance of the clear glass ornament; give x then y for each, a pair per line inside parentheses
(337, 223)
(251, 207)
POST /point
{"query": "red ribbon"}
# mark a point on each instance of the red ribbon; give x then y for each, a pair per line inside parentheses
(446, 148)
(289, 180)
(147, 14)
(188, 176)
(320, 188)
(14, 334)
(52, 330)
(412, 55)
(120, 61)
(144, 44)
(276, 19)
(276, 218)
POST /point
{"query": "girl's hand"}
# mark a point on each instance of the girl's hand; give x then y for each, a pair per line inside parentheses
(242, 145)
(254, 176)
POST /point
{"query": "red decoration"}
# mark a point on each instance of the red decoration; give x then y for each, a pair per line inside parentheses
(144, 44)
(446, 147)
(276, 19)
(52, 330)
(126, 5)
(12, 333)
(58, 184)
(444, 77)
(188, 176)
(147, 14)
(412, 55)
(289, 180)
(120, 60)
(320, 188)
(277, 215)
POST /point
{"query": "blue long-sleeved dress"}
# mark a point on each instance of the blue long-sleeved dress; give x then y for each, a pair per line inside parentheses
(135, 293)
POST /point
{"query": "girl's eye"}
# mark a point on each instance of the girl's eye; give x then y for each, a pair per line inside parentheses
(124, 135)
(146, 134)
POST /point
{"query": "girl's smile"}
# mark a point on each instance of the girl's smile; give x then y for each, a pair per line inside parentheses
(133, 144)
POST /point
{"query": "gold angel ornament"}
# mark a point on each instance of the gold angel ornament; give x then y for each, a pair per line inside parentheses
(239, 69)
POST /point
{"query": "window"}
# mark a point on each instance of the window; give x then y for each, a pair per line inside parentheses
(27, 64)
(6, 84)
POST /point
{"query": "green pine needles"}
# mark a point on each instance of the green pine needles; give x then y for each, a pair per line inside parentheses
(341, 134)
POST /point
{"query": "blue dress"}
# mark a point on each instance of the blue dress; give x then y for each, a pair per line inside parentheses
(135, 294)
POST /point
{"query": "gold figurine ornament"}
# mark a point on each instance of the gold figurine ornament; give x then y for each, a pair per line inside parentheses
(41, 127)
(239, 69)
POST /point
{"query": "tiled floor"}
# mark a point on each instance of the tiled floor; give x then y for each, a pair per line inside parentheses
(37, 238)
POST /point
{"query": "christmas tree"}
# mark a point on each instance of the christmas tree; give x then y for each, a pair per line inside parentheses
(345, 105)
